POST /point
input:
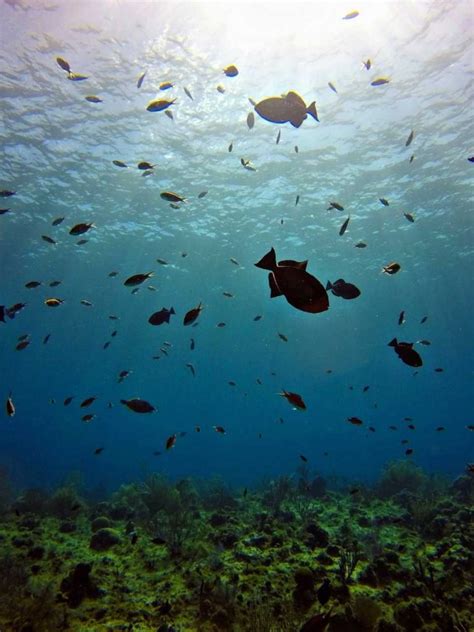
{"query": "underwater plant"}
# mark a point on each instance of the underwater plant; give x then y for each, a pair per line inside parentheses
(400, 476)
(6, 492)
(278, 490)
(216, 494)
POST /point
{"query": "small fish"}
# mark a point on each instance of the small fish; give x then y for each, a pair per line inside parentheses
(163, 262)
(282, 337)
(192, 314)
(54, 283)
(401, 318)
(351, 15)
(231, 71)
(4, 210)
(87, 418)
(231, 383)
(219, 429)
(384, 201)
(344, 226)
(440, 429)
(294, 399)
(423, 320)
(191, 368)
(48, 240)
(159, 105)
(367, 64)
(137, 279)
(380, 81)
(371, 428)
(57, 221)
(303, 458)
(296, 149)
(220, 325)
(412, 158)
(192, 344)
(170, 196)
(5, 193)
(257, 318)
(197, 428)
(250, 120)
(122, 375)
(391, 268)
(53, 302)
(392, 427)
(424, 342)
(93, 99)
(355, 421)
(46, 338)
(278, 137)
(80, 229)
(188, 94)
(336, 206)
(74, 76)
(230, 148)
(138, 405)
(22, 345)
(81, 242)
(470, 427)
(409, 217)
(145, 166)
(365, 389)
(439, 370)
(360, 244)
(234, 261)
(332, 86)
(166, 85)
(411, 426)
(409, 451)
(32, 284)
(163, 316)
(62, 63)
(247, 164)
(228, 294)
(202, 194)
(406, 353)
(411, 136)
(119, 163)
(170, 442)
(112, 317)
(87, 402)
(343, 289)
(297, 200)
(86, 302)
(10, 406)
(68, 400)
(140, 79)
(98, 450)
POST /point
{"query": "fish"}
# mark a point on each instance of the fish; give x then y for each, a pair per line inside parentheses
(220, 325)
(401, 318)
(145, 166)
(32, 284)
(384, 201)
(62, 63)
(170, 196)
(440, 429)
(4, 210)
(80, 229)
(57, 221)
(86, 302)
(138, 405)
(87, 402)
(367, 64)
(192, 344)
(112, 317)
(351, 15)
(317, 623)
(73, 76)
(278, 137)
(188, 94)
(163, 316)
(355, 421)
(202, 194)
(336, 206)
(54, 283)
(98, 450)
(391, 268)
(412, 158)
(282, 337)
(423, 320)
(231, 71)
(162, 262)
(46, 338)
(122, 375)
(423, 342)
(158, 105)
(360, 244)
(48, 240)
(297, 200)
(220, 88)
(289, 108)
(119, 163)
(170, 442)
(439, 370)
(250, 120)
(166, 85)
(296, 149)
(22, 345)
(234, 261)
(230, 148)
(301, 290)
(343, 289)
(53, 302)
(344, 226)
(332, 86)
(228, 294)
(411, 136)
(137, 279)
(93, 99)
(406, 353)
(6, 193)
(257, 318)
(470, 427)
(231, 383)
(88, 417)
(141, 79)
(303, 458)
(409, 451)
(294, 399)
(324, 592)
(192, 314)
(365, 389)
(409, 217)
(247, 164)
(191, 368)
(68, 400)
(81, 242)
(219, 429)
(380, 81)
(10, 406)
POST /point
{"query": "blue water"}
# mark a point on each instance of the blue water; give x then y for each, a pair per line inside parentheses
(57, 152)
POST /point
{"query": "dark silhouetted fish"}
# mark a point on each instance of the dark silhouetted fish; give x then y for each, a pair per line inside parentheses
(344, 226)
(137, 279)
(343, 289)
(163, 316)
(231, 71)
(301, 289)
(410, 138)
(80, 229)
(138, 405)
(406, 353)
(391, 268)
(294, 399)
(140, 80)
(289, 108)
(192, 314)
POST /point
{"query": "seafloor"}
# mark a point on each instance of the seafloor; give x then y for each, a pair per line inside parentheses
(195, 555)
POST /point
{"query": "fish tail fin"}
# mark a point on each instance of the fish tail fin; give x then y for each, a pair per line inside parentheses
(172, 311)
(329, 285)
(268, 261)
(311, 110)
(393, 343)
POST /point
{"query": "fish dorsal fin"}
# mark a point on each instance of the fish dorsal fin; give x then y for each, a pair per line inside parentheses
(393, 343)
(295, 99)
(339, 281)
(290, 263)
(268, 261)
(274, 289)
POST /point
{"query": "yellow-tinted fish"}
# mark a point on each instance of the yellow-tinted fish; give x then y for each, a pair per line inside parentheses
(53, 302)
(93, 99)
(231, 71)
(158, 105)
(351, 15)
(170, 196)
(332, 86)
(380, 81)
(72, 76)
(391, 268)
(166, 85)
(62, 63)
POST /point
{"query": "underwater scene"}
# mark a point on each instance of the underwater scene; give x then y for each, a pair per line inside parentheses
(236, 332)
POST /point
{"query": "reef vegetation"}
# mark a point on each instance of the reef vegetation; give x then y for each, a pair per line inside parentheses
(297, 553)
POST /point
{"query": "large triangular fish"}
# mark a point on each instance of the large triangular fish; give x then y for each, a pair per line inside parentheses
(288, 108)
(290, 279)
